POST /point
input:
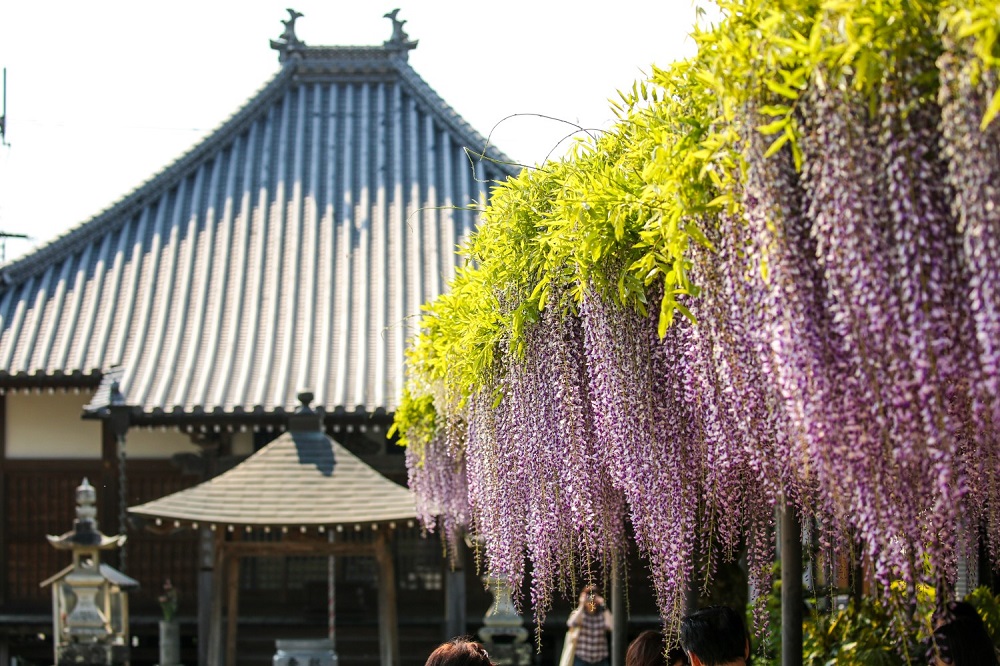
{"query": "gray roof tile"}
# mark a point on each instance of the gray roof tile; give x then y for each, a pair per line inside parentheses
(299, 479)
(291, 249)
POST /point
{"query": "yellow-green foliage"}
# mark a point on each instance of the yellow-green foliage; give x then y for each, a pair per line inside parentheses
(415, 420)
(622, 212)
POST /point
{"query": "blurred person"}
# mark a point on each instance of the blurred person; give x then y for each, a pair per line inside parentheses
(715, 636)
(647, 650)
(462, 651)
(961, 639)
(594, 620)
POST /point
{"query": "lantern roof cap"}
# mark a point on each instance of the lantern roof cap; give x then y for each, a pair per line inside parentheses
(108, 572)
(85, 533)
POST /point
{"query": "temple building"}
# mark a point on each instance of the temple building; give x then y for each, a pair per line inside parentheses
(166, 339)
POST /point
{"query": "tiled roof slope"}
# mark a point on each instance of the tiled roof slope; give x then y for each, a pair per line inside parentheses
(290, 249)
(300, 479)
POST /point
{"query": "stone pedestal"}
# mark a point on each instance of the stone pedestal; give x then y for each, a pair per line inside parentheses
(170, 643)
(503, 633)
(304, 653)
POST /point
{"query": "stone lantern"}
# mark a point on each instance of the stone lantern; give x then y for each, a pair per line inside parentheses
(503, 633)
(89, 599)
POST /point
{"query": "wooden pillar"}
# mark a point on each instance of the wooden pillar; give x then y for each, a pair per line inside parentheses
(232, 606)
(619, 638)
(218, 589)
(109, 495)
(209, 451)
(388, 625)
(791, 587)
(857, 571)
(455, 599)
(206, 567)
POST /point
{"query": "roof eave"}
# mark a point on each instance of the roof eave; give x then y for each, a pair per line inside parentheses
(56, 379)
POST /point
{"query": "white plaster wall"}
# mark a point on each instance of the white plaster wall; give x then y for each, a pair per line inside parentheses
(48, 425)
(144, 443)
(242, 443)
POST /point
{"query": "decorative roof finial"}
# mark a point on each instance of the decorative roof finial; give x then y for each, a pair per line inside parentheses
(288, 42)
(399, 41)
(305, 418)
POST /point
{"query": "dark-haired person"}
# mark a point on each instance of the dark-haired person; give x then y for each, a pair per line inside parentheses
(961, 639)
(647, 650)
(459, 652)
(715, 636)
(594, 620)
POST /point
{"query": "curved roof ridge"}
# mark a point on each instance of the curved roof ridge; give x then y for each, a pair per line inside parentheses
(457, 123)
(116, 213)
(298, 479)
(292, 246)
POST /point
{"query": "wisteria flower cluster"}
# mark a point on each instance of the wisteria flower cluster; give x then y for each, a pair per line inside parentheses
(775, 284)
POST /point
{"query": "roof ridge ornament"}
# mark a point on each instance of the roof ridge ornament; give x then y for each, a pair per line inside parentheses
(288, 44)
(400, 41)
(305, 418)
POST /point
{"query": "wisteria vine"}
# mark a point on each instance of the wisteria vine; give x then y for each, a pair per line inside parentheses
(775, 282)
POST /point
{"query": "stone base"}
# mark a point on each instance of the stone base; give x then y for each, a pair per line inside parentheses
(170, 643)
(92, 654)
(304, 653)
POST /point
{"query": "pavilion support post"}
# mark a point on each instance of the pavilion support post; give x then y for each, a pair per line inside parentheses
(618, 632)
(218, 588)
(232, 606)
(791, 587)
(388, 626)
(206, 565)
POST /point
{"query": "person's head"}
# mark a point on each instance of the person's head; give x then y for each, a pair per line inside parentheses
(962, 640)
(459, 652)
(647, 650)
(715, 636)
(954, 610)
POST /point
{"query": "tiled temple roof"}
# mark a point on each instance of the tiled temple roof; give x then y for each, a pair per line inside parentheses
(301, 479)
(290, 249)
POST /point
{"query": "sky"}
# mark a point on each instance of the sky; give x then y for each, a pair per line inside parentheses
(101, 95)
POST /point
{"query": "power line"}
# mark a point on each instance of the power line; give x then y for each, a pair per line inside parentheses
(4, 235)
(3, 116)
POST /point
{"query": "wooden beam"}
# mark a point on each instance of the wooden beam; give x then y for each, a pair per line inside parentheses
(300, 549)
(388, 624)
(232, 607)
